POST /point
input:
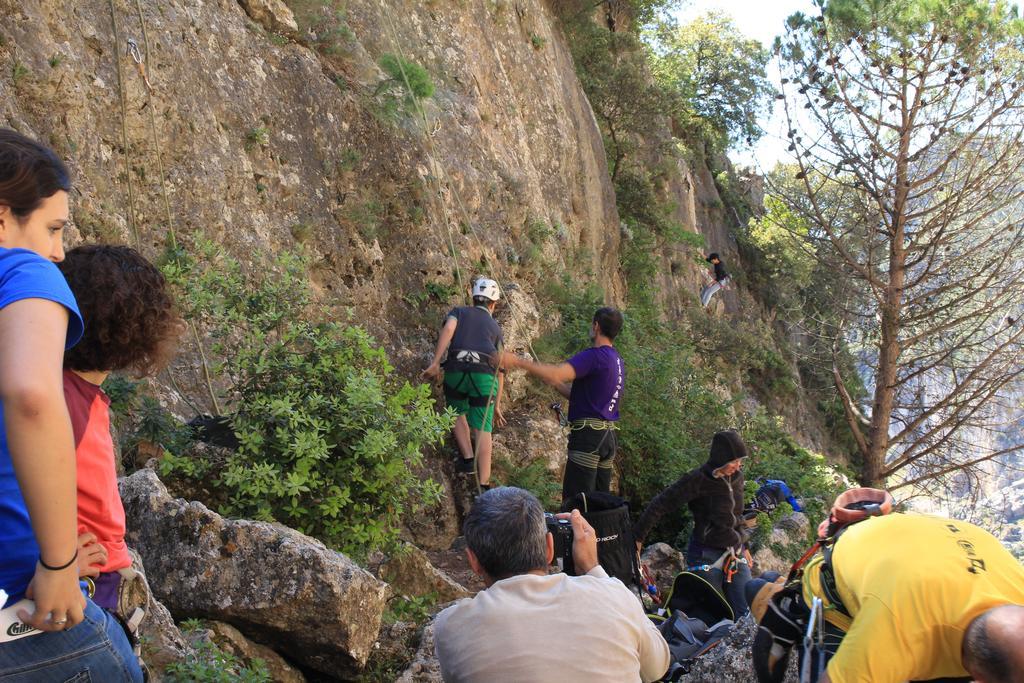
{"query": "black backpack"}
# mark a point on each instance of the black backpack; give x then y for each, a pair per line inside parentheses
(695, 619)
(616, 549)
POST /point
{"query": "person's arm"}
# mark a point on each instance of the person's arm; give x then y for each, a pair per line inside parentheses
(433, 371)
(671, 499)
(32, 337)
(558, 376)
(654, 654)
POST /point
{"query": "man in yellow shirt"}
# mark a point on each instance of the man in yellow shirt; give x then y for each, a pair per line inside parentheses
(925, 598)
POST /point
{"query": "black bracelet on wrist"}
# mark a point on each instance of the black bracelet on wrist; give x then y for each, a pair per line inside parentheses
(74, 559)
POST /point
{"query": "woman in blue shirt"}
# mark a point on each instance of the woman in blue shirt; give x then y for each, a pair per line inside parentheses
(57, 634)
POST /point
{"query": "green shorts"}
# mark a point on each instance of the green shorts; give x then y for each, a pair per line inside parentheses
(472, 394)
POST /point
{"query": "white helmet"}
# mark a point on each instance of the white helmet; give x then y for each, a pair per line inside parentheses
(486, 288)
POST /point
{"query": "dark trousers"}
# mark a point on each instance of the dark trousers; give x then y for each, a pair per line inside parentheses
(734, 590)
(589, 466)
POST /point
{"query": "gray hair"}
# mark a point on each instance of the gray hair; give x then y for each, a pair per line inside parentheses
(505, 529)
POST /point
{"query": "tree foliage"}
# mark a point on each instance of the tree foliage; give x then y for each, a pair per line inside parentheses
(716, 76)
(906, 120)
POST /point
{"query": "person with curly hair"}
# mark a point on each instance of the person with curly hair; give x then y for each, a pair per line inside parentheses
(130, 325)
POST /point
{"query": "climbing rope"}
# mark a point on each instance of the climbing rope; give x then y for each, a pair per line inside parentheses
(132, 222)
(132, 51)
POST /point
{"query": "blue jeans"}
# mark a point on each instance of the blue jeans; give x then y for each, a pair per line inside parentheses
(96, 650)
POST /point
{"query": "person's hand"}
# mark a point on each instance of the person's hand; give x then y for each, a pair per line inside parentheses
(503, 360)
(584, 542)
(433, 372)
(91, 555)
(499, 417)
(58, 597)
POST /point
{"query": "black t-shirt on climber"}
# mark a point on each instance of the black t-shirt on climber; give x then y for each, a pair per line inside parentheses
(477, 337)
(720, 273)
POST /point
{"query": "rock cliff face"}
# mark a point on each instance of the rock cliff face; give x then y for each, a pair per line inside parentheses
(266, 124)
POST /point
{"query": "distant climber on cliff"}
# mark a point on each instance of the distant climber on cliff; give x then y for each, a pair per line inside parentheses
(471, 336)
(721, 279)
(593, 380)
(905, 598)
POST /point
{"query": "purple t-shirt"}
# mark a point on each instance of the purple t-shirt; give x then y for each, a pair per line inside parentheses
(597, 390)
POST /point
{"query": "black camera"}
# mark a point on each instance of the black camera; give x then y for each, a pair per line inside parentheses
(561, 530)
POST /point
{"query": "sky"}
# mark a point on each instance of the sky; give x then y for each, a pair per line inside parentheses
(761, 20)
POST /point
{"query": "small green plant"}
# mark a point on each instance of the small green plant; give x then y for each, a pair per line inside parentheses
(257, 136)
(209, 664)
(330, 438)
(533, 477)
(349, 159)
(414, 609)
(366, 214)
(441, 292)
(538, 231)
(538, 42)
(55, 60)
(405, 86)
(18, 72)
(301, 232)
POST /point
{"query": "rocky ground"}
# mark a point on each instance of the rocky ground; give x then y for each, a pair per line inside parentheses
(266, 591)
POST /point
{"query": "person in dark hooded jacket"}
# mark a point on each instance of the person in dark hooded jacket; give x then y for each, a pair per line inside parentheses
(714, 494)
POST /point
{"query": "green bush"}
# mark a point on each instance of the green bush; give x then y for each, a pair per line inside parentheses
(330, 439)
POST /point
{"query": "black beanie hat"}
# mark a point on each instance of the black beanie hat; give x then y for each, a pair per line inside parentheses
(726, 446)
(712, 256)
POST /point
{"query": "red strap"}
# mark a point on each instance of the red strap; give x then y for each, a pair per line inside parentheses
(806, 556)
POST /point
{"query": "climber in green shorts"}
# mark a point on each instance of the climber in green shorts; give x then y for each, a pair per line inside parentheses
(472, 388)
(465, 391)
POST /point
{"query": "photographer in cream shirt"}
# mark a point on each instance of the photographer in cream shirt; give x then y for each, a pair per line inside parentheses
(528, 625)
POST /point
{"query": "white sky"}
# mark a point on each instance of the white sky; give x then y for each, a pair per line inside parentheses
(761, 20)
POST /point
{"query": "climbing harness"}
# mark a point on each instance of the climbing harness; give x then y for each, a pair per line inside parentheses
(476, 400)
(592, 423)
(728, 562)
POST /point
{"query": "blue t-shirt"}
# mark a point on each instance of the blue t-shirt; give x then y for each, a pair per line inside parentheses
(597, 390)
(24, 275)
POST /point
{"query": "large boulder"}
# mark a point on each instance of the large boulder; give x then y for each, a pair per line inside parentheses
(411, 573)
(665, 562)
(276, 585)
(786, 542)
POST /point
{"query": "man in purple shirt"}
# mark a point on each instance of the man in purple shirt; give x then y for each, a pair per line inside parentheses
(593, 381)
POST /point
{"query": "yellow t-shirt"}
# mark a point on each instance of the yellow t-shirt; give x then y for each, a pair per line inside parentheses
(913, 584)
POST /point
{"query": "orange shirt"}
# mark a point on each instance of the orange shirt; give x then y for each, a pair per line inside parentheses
(99, 503)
